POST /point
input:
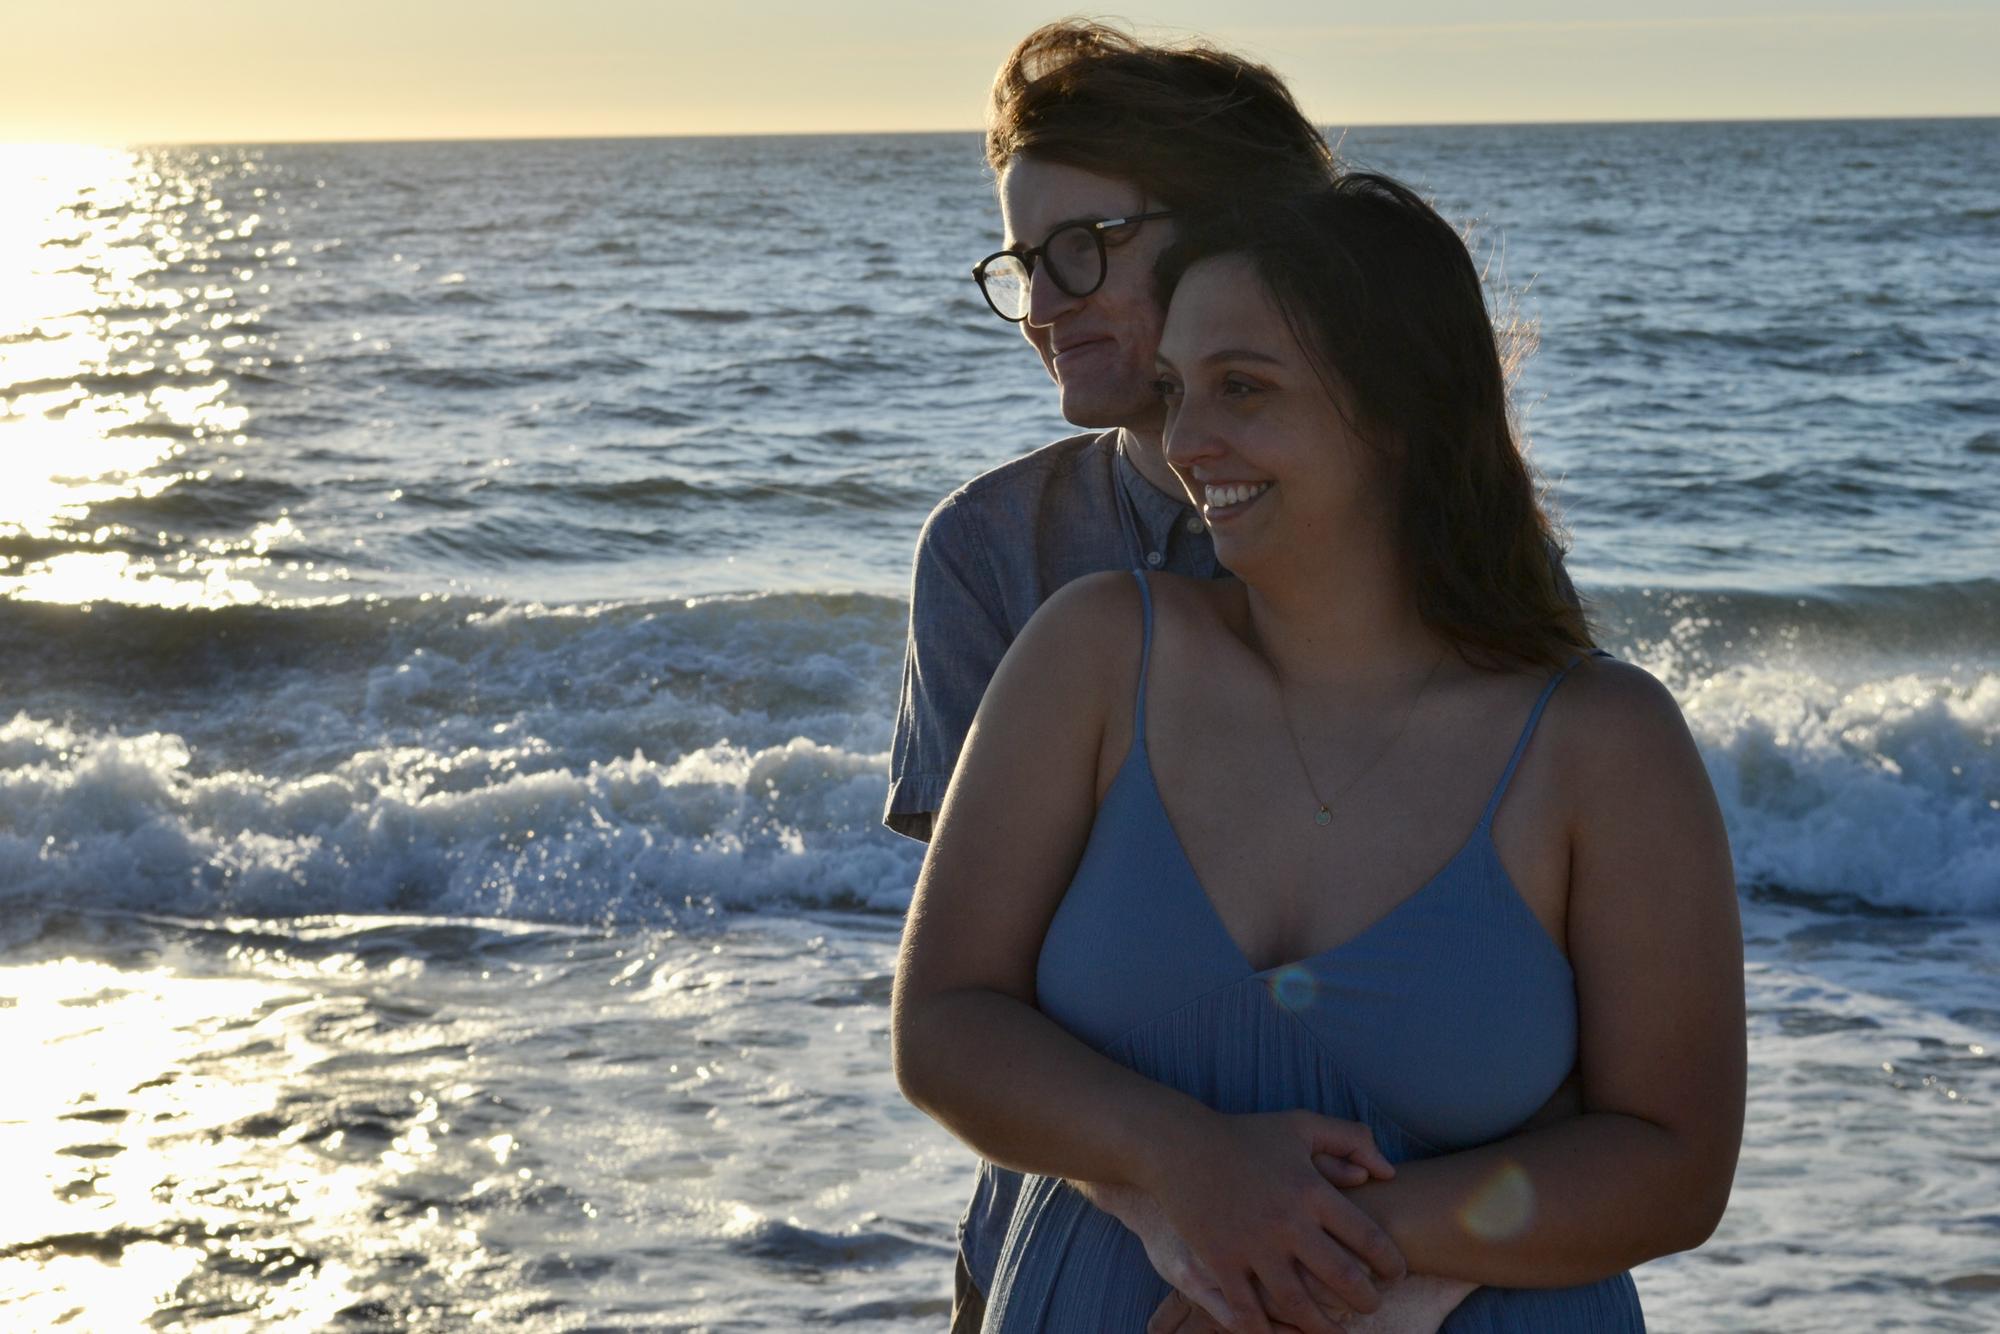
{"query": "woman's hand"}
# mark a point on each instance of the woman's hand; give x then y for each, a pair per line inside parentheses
(1173, 1260)
(1255, 1199)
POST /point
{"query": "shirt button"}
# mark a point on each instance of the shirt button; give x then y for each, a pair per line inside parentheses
(1155, 559)
(1193, 523)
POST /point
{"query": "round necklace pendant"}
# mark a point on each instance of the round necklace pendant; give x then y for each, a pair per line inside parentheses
(1322, 816)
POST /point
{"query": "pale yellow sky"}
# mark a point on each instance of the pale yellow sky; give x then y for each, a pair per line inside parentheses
(135, 71)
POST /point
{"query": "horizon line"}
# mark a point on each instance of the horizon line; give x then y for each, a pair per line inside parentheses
(1325, 127)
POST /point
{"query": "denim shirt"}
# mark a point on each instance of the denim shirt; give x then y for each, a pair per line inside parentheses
(991, 553)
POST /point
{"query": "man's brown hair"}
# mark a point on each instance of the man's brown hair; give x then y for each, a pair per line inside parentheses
(1189, 123)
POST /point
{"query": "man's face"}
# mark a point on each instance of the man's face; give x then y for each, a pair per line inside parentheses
(1098, 348)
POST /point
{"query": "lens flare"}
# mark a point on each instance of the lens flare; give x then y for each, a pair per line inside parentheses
(1295, 987)
(1502, 1206)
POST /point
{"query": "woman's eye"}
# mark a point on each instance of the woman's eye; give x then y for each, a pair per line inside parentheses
(1166, 389)
(1235, 388)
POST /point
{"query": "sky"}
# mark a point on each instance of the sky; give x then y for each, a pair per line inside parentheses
(138, 71)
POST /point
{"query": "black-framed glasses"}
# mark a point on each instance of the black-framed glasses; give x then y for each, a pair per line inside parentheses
(1073, 254)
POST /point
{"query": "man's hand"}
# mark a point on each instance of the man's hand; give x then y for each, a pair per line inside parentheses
(1171, 1258)
(1419, 1304)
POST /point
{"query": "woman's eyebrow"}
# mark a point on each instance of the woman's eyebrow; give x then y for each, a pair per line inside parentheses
(1243, 354)
(1165, 362)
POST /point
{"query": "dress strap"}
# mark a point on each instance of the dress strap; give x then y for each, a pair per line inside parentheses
(1528, 732)
(1145, 657)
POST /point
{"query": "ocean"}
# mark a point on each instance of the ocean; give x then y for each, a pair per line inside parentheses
(451, 606)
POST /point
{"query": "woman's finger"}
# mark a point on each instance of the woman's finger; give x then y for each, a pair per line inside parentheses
(1340, 1171)
(1342, 1279)
(1208, 1301)
(1329, 1301)
(1350, 1140)
(1364, 1239)
(1170, 1316)
(1284, 1297)
(1246, 1305)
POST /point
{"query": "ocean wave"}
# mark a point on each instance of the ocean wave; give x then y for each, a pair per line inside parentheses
(1853, 734)
(541, 542)
(141, 379)
(644, 414)
(602, 763)
(575, 765)
(801, 498)
(205, 503)
(131, 822)
(1887, 791)
(697, 314)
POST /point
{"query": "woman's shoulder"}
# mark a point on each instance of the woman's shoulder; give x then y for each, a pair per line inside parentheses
(1089, 621)
(1611, 691)
(1076, 663)
(1094, 602)
(1616, 723)
(1114, 602)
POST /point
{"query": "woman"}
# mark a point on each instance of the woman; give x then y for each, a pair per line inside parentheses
(1244, 891)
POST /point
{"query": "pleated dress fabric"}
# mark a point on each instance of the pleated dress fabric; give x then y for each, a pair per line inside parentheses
(1443, 1026)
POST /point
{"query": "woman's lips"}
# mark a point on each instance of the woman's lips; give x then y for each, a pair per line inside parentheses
(1221, 500)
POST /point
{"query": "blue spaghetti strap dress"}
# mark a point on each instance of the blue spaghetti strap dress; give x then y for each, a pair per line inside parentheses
(1444, 1025)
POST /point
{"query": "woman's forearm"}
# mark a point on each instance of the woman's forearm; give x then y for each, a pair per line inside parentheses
(1024, 1093)
(1568, 1203)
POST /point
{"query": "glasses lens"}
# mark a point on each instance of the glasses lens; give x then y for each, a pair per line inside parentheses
(1075, 259)
(1005, 280)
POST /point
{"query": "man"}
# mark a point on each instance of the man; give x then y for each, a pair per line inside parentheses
(1088, 127)
(1097, 142)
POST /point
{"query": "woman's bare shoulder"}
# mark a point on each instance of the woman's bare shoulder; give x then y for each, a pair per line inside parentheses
(1080, 641)
(1617, 725)
(1201, 604)
(1097, 612)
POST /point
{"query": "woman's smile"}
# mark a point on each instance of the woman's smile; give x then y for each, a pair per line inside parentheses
(1225, 500)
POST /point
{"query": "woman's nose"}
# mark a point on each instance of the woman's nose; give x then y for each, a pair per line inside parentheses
(1188, 439)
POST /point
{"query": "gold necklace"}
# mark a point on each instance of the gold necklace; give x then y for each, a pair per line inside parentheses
(1324, 815)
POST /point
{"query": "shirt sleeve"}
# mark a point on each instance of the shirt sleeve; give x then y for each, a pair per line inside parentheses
(958, 634)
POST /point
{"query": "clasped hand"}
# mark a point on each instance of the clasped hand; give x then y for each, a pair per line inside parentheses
(1256, 1227)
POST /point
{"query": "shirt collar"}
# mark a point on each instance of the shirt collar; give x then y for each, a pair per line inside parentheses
(1160, 516)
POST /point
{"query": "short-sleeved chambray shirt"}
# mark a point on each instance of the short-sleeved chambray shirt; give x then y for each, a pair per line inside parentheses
(991, 553)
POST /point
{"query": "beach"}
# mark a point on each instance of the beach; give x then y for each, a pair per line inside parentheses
(451, 604)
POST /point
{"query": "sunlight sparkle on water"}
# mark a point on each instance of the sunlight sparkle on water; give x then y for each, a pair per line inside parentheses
(113, 335)
(101, 1120)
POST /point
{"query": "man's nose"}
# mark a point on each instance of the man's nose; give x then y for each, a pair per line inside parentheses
(1046, 300)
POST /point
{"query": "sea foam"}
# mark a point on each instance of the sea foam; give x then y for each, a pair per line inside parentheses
(620, 763)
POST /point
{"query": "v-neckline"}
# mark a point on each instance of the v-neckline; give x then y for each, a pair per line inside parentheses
(1214, 915)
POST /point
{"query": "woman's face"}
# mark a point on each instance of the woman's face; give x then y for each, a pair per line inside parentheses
(1252, 430)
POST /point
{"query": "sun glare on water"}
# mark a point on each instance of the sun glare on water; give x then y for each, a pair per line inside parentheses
(103, 1118)
(118, 315)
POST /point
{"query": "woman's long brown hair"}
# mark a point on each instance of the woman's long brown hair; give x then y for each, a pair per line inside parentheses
(1383, 294)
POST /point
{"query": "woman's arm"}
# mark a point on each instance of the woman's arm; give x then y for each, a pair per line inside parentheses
(968, 1045)
(972, 1051)
(1656, 947)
